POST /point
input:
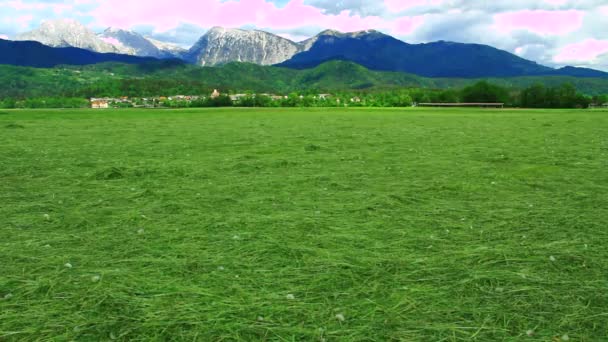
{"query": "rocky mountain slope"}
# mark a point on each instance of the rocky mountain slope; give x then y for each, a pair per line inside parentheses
(221, 45)
(67, 33)
(133, 43)
(173, 49)
(71, 33)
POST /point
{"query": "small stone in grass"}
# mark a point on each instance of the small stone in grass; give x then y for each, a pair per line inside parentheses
(290, 297)
(530, 333)
(565, 337)
(236, 237)
(221, 268)
(141, 231)
(8, 296)
(552, 258)
(340, 317)
(46, 217)
(95, 278)
(68, 265)
(260, 319)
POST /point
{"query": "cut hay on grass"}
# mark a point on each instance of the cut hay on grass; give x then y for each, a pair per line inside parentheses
(304, 225)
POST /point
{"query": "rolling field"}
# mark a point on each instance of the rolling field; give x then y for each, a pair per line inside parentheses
(304, 225)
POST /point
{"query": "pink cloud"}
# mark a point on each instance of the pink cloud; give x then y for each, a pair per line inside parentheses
(3, 36)
(23, 21)
(541, 22)
(231, 13)
(584, 51)
(19, 5)
(406, 25)
(207, 13)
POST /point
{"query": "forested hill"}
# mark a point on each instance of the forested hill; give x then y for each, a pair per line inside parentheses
(173, 77)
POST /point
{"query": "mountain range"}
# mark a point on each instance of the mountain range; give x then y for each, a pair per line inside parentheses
(171, 77)
(71, 33)
(378, 51)
(371, 49)
(35, 54)
(133, 43)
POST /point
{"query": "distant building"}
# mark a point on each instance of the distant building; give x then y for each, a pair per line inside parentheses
(215, 94)
(236, 97)
(100, 103)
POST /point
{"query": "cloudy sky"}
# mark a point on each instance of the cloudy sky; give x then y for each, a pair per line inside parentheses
(551, 32)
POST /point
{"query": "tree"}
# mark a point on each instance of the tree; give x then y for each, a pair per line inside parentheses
(8, 103)
(566, 96)
(447, 96)
(563, 96)
(600, 99)
(220, 101)
(534, 96)
(483, 91)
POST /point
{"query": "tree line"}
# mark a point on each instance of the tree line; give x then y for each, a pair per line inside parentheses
(535, 96)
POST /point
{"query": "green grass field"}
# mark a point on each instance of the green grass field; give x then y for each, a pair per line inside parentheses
(304, 225)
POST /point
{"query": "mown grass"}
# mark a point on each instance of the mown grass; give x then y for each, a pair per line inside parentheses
(304, 225)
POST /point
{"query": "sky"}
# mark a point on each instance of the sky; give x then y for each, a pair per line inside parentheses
(550, 32)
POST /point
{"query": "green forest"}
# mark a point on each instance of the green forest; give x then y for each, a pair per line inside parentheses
(347, 82)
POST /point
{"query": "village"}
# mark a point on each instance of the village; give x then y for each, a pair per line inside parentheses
(176, 100)
(218, 99)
